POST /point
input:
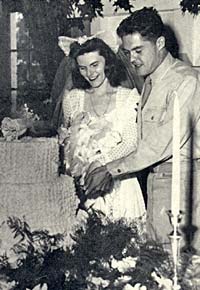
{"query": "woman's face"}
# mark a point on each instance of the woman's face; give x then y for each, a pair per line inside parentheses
(92, 68)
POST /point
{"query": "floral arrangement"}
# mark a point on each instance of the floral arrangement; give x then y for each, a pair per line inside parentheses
(12, 129)
(86, 142)
(104, 255)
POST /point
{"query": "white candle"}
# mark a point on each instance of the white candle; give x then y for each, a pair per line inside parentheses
(175, 196)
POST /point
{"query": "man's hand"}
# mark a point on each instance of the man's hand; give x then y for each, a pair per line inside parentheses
(98, 181)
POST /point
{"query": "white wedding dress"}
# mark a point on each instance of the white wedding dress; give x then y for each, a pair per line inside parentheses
(118, 140)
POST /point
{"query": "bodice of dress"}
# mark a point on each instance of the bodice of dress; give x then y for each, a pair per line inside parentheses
(115, 132)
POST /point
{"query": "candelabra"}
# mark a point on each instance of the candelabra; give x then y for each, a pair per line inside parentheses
(175, 238)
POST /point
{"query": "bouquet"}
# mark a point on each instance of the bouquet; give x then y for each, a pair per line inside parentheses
(88, 141)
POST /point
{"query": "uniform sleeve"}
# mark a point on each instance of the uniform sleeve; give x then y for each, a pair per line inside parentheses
(127, 112)
(157, 146)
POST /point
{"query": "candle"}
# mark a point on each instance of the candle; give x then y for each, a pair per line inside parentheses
(175, 195)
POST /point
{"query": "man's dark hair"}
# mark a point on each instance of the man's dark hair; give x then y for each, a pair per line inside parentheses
(145, 21)
(114, 68)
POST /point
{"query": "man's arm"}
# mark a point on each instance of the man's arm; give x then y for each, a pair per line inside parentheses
(157, 146)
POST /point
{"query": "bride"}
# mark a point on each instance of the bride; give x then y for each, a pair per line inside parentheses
(100, 117)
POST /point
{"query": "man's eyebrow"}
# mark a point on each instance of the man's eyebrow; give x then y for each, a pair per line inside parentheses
(94, 62)
(133, 48)
(136, 47)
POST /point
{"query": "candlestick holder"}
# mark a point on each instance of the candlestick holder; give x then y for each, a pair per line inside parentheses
(175, 237)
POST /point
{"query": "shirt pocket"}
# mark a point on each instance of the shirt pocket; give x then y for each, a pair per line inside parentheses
(154, 115)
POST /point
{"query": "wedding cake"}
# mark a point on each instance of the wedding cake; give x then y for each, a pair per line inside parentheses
(31, 188)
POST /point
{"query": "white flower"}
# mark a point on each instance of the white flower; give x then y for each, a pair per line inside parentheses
(124, 264)
(164, 283)
(128, 287)
(4, 285)
(122, 280)
(98, 281)
(137, 286)
(110, 141)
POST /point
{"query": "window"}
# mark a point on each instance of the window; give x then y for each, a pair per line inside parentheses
(35, 58)
(27, 81)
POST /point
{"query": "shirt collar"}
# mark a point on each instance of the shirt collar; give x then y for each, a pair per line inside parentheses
(162, 68)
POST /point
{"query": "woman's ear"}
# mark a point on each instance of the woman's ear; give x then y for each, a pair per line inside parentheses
(160, 42)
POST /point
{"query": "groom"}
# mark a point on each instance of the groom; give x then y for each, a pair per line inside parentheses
(143, 40)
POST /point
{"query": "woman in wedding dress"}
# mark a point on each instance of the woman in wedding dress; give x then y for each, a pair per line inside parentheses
(100, 117)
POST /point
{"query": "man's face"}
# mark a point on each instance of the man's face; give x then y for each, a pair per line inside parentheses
(143, 54)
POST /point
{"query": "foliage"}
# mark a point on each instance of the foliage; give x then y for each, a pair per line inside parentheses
(41, 258)
(36, 257)
(103, 255)
(123, 4)
(92, 8)
(192, 6)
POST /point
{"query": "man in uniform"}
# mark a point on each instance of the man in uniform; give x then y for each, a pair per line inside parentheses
(144, 41)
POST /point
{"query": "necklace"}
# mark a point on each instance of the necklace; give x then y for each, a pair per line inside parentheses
(106, 108)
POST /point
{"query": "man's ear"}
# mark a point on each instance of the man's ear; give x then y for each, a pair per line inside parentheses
(160, 42)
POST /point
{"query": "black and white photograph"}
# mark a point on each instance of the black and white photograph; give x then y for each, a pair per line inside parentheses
(99, 145)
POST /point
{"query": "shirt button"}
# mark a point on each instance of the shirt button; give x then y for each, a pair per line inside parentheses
(119, 170)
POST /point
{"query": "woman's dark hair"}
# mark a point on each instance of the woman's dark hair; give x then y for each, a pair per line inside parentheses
(114, 68)
(145, 21)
